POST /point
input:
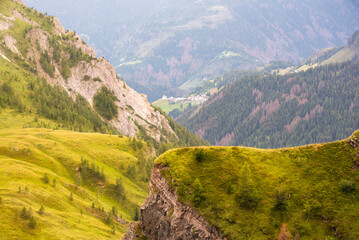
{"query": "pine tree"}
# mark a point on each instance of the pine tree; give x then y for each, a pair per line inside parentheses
(23, 213)
(71, 197)
(114, 211)
(46, 178)
(198, 193)
(32, 222)
(41, 210)
(136, 218)
(54, 182)
(109, 219)
(247, 195)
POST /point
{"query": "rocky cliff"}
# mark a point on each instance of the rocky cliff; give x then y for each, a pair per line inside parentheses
(163, 216)
(86, 74)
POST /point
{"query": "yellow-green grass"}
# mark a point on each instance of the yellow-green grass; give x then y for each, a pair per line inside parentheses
(26, 154)
(346, 54)
(167, 106)
(303, 187)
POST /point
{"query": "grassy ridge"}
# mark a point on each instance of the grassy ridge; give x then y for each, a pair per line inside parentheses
(27, 154)
(250, 193)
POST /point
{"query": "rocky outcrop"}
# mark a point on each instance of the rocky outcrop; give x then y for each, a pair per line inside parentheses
(163, 216)
(87, 77)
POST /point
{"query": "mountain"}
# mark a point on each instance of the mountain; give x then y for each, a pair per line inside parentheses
(39, 45)
(162, 47)
(308, 192)
(350, 52)
(77, 144)
(267, 111)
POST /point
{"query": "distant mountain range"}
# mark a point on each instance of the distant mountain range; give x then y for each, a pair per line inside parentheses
(269, 111)
(160, 47)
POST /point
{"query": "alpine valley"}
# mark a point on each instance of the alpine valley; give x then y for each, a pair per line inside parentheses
(85, 156)
(168, 47)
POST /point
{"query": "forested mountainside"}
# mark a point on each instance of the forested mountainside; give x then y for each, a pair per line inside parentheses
(161, 46)
(57, 74)
(306, 193)
(77, 144)
(317, 105)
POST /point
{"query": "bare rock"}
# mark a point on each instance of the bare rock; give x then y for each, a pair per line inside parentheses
(131, 231)
(163, 216)
(58, 28)
(10, 42)
(354, 142)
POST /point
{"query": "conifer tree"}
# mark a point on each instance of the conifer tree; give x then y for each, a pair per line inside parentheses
(247, 195)
(41, 210)
(46, 178)
(32, 222)
(23, 213)
(198, 193)
(71, 197)
(109, 218)
(136, 218)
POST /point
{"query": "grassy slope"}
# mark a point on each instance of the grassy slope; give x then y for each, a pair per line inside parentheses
(167, 107)
(307, 178)
(27, 154)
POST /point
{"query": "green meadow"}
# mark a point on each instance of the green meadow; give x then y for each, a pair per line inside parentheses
(310, 191)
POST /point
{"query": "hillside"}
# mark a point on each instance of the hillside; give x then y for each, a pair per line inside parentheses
(26, 155)
(72, 165)
(317, 105)
(162, 46)
(350, 52)
(36, 48)
(308, 192)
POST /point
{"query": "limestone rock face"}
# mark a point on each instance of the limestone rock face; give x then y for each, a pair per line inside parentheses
(163, 216)
(87, 77)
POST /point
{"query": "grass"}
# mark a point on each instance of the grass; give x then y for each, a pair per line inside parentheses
(300, 187)
(167, 106)
(26, 154)
(346, 54)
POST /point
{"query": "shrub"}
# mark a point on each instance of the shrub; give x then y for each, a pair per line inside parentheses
(280, 199)
(200, 155)
(86, 78)
(347, 186)
(97, 79)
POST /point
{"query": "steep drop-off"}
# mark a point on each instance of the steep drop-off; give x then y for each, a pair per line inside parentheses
(308, 192)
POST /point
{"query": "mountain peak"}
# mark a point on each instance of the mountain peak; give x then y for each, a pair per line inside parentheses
(354, 39)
